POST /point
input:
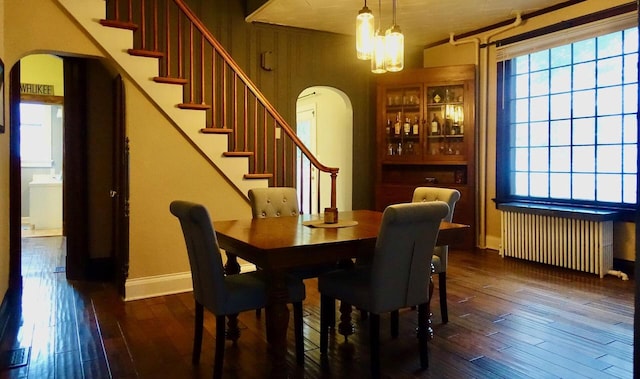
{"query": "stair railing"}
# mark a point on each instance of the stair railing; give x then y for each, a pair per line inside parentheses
(213, 82)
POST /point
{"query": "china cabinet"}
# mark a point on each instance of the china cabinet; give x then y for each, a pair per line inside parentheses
(426, 137)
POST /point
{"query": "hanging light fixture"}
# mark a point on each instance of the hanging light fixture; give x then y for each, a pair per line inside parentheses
(394, 46)
(364, 33)
(378, 58)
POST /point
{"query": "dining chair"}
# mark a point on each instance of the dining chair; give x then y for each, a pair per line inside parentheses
(396, 278)
(440, 253)
(278, 202)
(224, 295)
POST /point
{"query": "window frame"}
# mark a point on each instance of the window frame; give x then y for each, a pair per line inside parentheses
(504, 131)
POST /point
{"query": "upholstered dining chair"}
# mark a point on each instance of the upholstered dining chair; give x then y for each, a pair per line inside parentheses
(273, 202)
(278, 202)
(396, 277)
(440, 253)
(224, 295)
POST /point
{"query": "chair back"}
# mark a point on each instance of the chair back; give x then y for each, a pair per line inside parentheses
(448, 195)
(407, 236)
(273, 202)
(207, 272)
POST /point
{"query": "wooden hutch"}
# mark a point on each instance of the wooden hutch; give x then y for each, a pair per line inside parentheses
(426, 137)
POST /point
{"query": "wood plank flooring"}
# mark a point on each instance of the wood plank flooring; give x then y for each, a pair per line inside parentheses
(507, 319)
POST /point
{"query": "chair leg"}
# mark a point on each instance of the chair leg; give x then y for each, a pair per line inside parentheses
(423, 335)
(297, 326)
(325, 320)
(220, 340)
(395, 321)
(197, 334)
(374, 342)
(442, 288)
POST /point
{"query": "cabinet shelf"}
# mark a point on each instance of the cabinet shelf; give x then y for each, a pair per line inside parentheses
(446, 136)
(398, 162)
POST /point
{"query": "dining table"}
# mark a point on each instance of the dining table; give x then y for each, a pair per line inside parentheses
(278, 245)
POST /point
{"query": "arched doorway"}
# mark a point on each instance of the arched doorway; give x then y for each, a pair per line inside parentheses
(325, 125)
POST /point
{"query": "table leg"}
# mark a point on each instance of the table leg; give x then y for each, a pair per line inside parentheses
(277, 323)
(231, 268)
(345, 327)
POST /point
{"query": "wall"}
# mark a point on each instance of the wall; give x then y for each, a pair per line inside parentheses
(43, 69)
(156, 245)
(466, 53)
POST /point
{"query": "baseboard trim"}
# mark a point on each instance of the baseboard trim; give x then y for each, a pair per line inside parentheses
(161, 285)
(493, 243)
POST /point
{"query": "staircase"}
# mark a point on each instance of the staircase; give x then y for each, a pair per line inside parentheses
(168, 53)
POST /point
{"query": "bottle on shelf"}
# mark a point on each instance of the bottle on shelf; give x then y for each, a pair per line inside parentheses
(399, 149)
(435, 125)
(406, 127)
(396, 126)
(388, 127)
(415, 128)
(390, 149)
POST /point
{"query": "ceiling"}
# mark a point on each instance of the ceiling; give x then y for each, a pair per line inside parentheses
(421, 21)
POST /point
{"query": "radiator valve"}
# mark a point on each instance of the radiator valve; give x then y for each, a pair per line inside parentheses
(619, 274)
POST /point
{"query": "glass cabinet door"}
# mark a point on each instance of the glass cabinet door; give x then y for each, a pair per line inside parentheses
(445, 123)
(403, 123)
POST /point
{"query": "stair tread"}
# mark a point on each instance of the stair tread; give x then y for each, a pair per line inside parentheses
(170, 80)
(198, 106)
(119, 24)
(146, 53)
(238, 154)
(258, 176)
(216, 130)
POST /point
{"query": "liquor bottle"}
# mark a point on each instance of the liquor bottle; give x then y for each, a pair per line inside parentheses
(415, 129)
(396, 126)
(435, 125)
(406, 126)
(388, 127)
(399, 150)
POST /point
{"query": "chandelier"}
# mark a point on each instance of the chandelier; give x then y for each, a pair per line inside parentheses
(385, 50)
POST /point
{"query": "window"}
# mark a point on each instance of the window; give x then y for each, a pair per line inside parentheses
(567, 126)
(35, 133)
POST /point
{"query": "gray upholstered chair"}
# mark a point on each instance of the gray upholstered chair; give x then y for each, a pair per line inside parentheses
(273, 202)
(396, 278)
(280, 202)
(224, 295)
(440, 253)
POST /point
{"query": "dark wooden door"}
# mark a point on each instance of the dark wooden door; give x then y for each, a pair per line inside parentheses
(120, 192)
(74, 186)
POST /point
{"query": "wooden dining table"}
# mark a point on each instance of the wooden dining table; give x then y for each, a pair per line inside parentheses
(278, 245)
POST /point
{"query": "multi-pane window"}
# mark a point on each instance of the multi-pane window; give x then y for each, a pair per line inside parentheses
(571, 122)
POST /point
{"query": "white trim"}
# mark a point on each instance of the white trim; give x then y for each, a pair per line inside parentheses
(160, 285)
(567, 36)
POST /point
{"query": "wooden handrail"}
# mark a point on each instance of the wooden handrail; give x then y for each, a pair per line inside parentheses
(146, 17)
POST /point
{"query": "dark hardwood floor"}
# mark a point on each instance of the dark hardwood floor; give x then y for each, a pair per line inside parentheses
(507, 319)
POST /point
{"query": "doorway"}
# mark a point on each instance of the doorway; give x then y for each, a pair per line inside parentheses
(41, 151)
(325, 125)
(91, 128)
